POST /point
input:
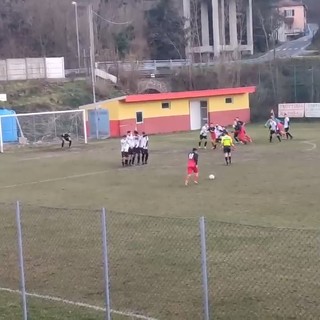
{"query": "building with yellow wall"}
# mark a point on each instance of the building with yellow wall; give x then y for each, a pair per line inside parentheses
(168, 112)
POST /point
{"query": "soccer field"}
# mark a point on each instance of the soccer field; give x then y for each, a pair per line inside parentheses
(268, 184)
(153, 228)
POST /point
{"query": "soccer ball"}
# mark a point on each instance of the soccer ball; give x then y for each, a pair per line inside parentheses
(211, 176)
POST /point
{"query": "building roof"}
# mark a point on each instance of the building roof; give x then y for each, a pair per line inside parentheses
(188, 94)
(290, 3)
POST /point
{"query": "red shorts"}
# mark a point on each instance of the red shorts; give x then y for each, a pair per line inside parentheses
(213, 136)
(193, 169)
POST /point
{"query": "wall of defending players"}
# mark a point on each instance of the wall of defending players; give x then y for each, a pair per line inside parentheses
(134, 149)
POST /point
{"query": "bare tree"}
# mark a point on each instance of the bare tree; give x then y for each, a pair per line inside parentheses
(195, 25)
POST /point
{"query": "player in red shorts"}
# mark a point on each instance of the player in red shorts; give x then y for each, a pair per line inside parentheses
(192, 166)
(212, 130)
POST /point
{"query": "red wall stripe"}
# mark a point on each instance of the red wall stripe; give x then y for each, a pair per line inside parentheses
(226, 118)
(174, 123)
(114, 128)
(157, 125)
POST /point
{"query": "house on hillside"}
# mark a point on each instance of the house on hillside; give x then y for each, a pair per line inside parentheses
(294, 22)
(167, 112)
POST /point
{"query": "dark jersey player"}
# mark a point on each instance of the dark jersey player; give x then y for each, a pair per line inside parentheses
(237, 125)
(66, 137)
(192, 166)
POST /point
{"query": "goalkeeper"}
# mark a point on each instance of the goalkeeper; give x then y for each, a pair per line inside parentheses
(66, 137)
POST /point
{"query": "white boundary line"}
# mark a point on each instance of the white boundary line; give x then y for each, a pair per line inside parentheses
(48, 156)
(78, 304)
(54, 179)
(310, 143)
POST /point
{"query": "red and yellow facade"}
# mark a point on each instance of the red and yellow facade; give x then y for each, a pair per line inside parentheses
(223, 105)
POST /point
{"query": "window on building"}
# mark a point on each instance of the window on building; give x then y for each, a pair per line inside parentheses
(165, 105)
(289, 13)
(139, 117)
(229, 100)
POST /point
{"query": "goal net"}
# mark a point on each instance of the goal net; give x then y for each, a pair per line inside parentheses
(41, 129)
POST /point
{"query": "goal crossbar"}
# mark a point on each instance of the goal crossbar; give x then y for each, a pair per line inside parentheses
(41, 113)
(17, 116)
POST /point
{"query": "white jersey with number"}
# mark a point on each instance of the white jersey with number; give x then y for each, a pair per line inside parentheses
(124, 145)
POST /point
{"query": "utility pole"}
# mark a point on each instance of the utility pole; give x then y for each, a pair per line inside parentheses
(273, 38)
(92, 52)
(312, 86)
(92, 62)
(77, 29)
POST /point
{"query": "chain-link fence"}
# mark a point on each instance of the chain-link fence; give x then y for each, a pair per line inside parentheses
(62, 254)
(155, 266)
(281, 82)
(9, 263)
(263, 273)
(83, 264)
(277, 81)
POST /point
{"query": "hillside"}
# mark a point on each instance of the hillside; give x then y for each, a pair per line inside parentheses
(135, 29)
(39, 96)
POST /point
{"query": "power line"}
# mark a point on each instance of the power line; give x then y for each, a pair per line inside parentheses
(111, 22)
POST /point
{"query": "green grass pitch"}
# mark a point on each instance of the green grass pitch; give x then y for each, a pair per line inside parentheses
(262, 215)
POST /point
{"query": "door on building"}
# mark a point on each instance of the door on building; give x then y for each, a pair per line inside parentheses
(204, 112)
(195, 115)
(198, 114)
(99, 123)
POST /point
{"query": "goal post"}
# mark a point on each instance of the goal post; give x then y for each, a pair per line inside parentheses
(42, 128)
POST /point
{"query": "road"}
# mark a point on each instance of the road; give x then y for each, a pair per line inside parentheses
(292, 48)
(164, 67)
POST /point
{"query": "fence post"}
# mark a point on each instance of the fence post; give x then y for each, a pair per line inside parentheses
(204, 268)
(27, 71)
(21, 264)
(295, 83)
(312, 84)
(105, 263)
(45, 68)
(7, 70)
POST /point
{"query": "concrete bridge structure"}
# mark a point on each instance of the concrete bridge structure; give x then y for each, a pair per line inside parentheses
(220, 27)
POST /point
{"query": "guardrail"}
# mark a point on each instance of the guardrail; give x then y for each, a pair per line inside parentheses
(147, 67)
(82, 71)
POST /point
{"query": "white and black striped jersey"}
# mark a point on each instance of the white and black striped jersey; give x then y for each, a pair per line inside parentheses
(130, 140)
(286, 122)
(124, 145)
(144, 142)
(204, 130)
(136, 141)
(273, 125)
